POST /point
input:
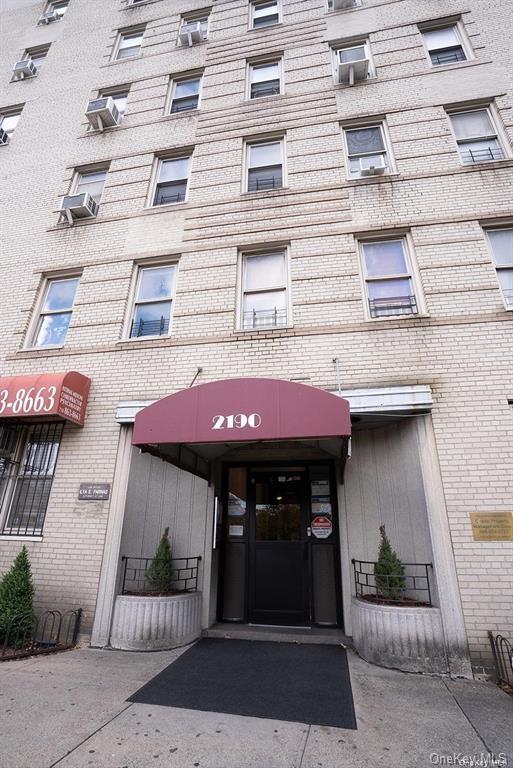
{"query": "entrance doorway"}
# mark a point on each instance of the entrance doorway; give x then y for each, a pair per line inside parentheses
(280, 551)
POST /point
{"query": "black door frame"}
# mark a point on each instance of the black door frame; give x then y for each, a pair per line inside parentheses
(336, 533)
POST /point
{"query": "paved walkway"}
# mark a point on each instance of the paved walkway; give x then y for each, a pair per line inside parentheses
(69, 710)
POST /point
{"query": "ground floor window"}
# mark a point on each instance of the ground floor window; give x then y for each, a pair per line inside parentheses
(28, 456)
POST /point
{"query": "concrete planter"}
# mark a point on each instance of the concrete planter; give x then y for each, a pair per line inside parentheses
(404, 638)
(144, 623)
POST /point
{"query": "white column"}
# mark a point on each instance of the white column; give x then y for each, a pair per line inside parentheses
(345, 561)
(443, 555)
(108, 575)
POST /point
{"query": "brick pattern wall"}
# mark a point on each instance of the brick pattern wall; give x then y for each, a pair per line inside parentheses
(462, 347)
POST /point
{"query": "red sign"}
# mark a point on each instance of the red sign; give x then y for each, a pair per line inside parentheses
(238, 410)
(322, 527)
(48, 394)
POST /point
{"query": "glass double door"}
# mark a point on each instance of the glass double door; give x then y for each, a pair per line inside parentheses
(279, 574)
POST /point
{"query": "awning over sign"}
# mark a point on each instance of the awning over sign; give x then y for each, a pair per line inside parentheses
(195, 425)
(62, 395)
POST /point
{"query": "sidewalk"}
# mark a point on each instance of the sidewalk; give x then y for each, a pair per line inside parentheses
(69, 710)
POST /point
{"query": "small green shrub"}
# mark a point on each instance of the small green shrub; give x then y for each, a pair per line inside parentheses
(160, 572)
(16, 600)
(389, 570)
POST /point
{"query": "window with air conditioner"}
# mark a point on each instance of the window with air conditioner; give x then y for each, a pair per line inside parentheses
(389, 279)
(91, 182)
(265, 302)
(28, 458)
(476, 134)
(264, 165)
(353, 63)
(119, 96)
(343, 5)
(31, 62)
(367, 151)
(172, 179)
(500, 240)
(153, 301)
(128, 44)
(445, 44)
(185, 94)
(9, 119)
(56, 308)
(265, 79)
(54, 11)
(264, 13)
(194, 28)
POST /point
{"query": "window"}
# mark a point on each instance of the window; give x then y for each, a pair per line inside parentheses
(55, 313)
(28, 457)
(92, 182)
(501, 244)
(185, 94)
(59, 8)
(38, 55)
(129, 44)
(476, 136)
(264, 290)
(120, 97)
(9, 120)
(172, 180)
(264, 14)
(265, 165)
(388, 278)
(264, 79)
(354, 62)
(195, 21)
(153, 301)
(366, 150)
(444, 45)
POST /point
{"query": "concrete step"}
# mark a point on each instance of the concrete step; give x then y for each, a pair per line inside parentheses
(313, 635)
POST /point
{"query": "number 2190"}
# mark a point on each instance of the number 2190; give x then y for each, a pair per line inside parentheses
(237, 420)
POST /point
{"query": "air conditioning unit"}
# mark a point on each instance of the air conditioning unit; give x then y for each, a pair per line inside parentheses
(344, 5)
(23, 69)
(49, 16)
(373, 170)
(103, 113)
(81, 206)
(190, 33)
(4, 137)
(352, 71)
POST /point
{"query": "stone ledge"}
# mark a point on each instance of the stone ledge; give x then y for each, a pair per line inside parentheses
(144, 623)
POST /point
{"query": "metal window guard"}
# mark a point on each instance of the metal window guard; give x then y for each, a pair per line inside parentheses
(482, 155)
(417, 585)
(185, 105)
(502, 650)
(265, 318)
(149, 327)
(25, 634)
(265, 89)
(265, 182)
(393, 305)
(134, 579)
(449, 56)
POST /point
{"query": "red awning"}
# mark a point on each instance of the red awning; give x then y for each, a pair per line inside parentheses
(45, 395)
(238, 411)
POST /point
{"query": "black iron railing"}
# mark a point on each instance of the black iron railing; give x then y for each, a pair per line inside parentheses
(265, 318)
(393, 305)
(265, 182)
(415, 584)
(449, 56)
(149, 327)
(134, 580)
(170, 194)
(271, 88)
(184, 105)
(502, 650)
(482, 155)
(24, 634)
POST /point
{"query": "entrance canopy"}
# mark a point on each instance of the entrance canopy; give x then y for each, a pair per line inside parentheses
(196, 425)
(57, 395)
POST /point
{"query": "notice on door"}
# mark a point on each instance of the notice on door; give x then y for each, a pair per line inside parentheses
(492, 526)
(322, 527)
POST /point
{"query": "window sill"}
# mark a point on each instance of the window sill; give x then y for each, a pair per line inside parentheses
(453, 65)
(395, 318)
(164, 206)
(16, 537)
(136, 339)
(270, 329)
(265, 27)
(373, 179)
(122, 61)
(174, 115)
(265, 191)
(42, 349)
(260, 98)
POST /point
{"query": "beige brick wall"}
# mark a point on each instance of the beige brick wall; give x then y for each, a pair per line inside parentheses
(462, 347)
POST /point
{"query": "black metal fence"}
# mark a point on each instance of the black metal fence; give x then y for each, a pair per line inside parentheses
(149, 327)
(414, 586)
(502, 650)
(24, 634)
(393, 305)
(184, 576)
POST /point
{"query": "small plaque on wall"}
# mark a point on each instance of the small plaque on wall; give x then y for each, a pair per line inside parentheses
(492, 526)
(94, 492)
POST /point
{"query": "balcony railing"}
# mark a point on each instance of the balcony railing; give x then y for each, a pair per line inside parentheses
(482, 155)
(265, 318)
(134, 580)
(149, 327)
(449, 56)
(173, 192)
(257, 183)
(393, 305)
(270, 88)
(413, 587)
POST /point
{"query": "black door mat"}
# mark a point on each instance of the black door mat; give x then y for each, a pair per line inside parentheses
(280, 681)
